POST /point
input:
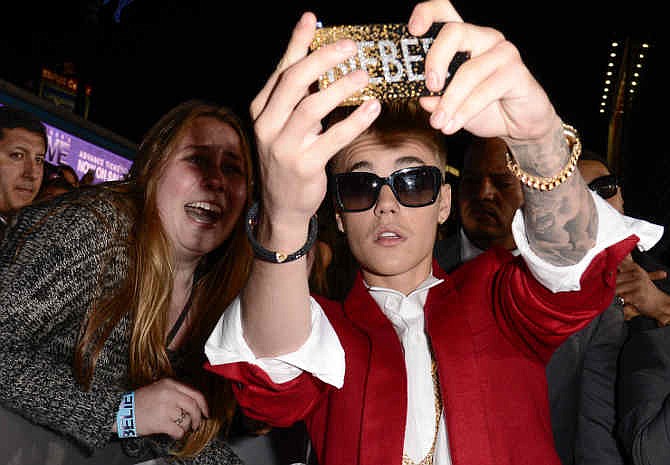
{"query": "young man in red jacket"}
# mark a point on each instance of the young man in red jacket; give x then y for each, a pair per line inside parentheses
(414, 366)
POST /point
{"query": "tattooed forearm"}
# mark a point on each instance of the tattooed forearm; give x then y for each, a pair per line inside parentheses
(561, 225)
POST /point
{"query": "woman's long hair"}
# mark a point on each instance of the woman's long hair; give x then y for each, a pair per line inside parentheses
(145, 294)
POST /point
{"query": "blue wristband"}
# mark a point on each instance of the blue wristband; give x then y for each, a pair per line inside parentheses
(125, 417)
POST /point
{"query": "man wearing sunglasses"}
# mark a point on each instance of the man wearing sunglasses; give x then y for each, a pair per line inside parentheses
(643, 383)
(597, 175)
(414, 366)
(643, 286)
(581, 374)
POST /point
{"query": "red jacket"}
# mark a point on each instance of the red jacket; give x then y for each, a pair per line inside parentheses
(492, 328)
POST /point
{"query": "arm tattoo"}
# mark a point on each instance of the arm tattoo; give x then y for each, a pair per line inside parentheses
(561, 224)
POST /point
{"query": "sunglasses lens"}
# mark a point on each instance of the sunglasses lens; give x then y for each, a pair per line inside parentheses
(607, 191)
(413, 187)
(356, 191)
(417, 187)
(605, 186)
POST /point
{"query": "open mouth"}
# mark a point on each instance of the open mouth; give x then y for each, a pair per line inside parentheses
(203, 212)
(388, 235)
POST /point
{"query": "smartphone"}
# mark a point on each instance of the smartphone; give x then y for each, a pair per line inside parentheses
(393, 58)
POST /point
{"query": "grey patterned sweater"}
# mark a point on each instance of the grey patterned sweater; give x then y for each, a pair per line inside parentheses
(54, 258)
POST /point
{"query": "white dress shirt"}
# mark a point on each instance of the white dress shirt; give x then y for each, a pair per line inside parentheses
(323, 356)
(406, 314)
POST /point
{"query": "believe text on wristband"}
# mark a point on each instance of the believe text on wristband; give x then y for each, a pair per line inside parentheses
(125, 417)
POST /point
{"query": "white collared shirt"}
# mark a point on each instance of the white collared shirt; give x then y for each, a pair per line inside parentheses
(406, 315)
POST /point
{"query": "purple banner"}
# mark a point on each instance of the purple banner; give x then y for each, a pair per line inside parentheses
(84, 156)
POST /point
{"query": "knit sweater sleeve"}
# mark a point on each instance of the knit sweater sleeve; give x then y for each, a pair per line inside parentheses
(54, 258)
(215, 452)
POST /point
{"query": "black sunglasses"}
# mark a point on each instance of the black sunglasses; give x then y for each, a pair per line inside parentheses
(413, 187)
(605, 186)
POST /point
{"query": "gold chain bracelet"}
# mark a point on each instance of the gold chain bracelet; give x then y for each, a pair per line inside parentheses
(547, 184)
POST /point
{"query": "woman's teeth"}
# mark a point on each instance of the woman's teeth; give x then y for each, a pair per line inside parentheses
(203, 212)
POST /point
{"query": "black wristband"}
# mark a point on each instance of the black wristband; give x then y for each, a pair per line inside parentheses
(278, 257)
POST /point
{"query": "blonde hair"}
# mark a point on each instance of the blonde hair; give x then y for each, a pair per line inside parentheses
(398, 121)
(145, 293)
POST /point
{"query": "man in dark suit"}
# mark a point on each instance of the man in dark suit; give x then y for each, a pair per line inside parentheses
(643, 288)
(643, 392)
(582, 372)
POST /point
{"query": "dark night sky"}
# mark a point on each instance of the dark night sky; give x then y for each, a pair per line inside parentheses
(165, 51)
(168, 50)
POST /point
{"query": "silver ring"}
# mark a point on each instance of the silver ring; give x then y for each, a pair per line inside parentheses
(620, 301)
(182, 415)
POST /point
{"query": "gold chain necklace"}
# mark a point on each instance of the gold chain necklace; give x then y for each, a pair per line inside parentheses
(428, 459)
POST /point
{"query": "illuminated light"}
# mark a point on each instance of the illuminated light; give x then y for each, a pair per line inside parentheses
(604, 96)
(609, 73)
(612, 54)
(631, 91)
(610, 64)
(641, 55)
(645, 45)
(607, 89)
(638, 65)
(602, 111)
(608, 82)
(602, 104)
(636, 74)
(615, 44)
(634, 83)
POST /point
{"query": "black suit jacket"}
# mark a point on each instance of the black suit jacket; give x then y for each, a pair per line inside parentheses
(582, 379)
(644, 384)
(644, 388)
